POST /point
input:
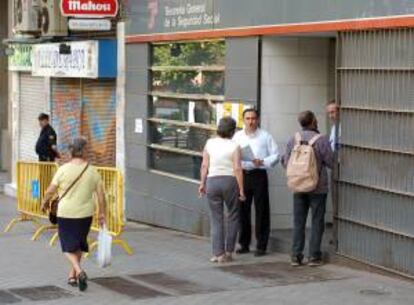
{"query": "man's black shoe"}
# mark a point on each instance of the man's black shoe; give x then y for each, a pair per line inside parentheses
(242, 251)
(315, 262)
(259, 253)
(296, 261)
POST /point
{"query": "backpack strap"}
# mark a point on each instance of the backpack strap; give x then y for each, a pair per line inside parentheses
(298, 138)
(314, 139)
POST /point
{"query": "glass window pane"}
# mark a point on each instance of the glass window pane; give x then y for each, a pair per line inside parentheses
(203, 112)
(170, 109)
(206, 53)
(189, 82)
(176, 164)
(189, 138)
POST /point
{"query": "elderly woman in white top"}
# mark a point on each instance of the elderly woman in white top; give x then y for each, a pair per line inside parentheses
(222, 182)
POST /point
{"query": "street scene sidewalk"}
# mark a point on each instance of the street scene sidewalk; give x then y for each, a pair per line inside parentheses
(169, 267)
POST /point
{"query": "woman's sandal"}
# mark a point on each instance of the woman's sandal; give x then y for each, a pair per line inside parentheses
(73, 281)
(82, 281)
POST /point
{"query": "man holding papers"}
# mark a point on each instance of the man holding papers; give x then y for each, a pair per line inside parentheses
(259, 154)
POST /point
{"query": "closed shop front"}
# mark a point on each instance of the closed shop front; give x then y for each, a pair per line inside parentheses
(33, 100)
(82, 94)
(83, 107)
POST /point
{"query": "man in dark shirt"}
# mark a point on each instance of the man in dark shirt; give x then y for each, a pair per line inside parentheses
(46, 147)
(314, 200)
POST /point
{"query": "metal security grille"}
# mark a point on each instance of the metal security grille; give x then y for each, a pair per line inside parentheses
(66, 111)
(99, 120)
(32, 102)
(375, 212)
(87, 108)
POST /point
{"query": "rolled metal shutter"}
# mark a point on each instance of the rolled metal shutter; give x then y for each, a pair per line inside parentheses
(32, 102)
(66, 111)
(376, 186)
(99, 120)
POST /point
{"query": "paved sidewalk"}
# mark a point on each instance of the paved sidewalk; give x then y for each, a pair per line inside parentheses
(173, 268)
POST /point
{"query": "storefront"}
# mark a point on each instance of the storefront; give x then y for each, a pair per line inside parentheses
(82, 94)
(280, 57)
(32, 100)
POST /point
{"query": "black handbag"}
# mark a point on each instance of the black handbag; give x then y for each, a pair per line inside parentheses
(53, 205)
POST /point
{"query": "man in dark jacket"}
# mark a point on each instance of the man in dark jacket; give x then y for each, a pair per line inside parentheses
(314, 200)
(46, 147)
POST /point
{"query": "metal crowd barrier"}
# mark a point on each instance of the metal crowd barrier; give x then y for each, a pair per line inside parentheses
(33, 178)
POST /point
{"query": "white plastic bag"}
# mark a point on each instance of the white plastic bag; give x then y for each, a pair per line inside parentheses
(104, 247)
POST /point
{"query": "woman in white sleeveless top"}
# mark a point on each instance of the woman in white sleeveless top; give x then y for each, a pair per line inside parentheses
(222, 182)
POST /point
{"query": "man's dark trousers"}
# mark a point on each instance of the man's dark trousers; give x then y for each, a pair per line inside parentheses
(302, 202)
(256, 188)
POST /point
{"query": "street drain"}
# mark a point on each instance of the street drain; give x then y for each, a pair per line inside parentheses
(179, 286)
(374, 292)
(280, 273)
(45, 293)
(8, 298)
(128, 288)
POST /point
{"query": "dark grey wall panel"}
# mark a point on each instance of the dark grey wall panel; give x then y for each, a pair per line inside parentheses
(376, 181)
(162, 16)
(159, 200)
(153, 198)
(242, 69)
(137, 81)
(137, 62)
(135, 156)
(137, 56)
(376, 247)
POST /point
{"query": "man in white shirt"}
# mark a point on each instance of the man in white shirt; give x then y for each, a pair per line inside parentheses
(332, 110)
(259, 154)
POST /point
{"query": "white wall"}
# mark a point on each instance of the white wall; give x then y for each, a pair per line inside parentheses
(295, 77)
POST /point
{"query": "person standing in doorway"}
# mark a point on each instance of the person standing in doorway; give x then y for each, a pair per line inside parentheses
(332, 110)
(222, 182)
(46, 146)
(314, 199)
(259, 154)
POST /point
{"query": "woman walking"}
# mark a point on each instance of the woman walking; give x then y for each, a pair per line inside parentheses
(76, 182)
(222, 182)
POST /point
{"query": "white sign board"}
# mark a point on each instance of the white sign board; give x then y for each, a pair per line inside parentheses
(89, 24)
(80, 63)
(139, 126)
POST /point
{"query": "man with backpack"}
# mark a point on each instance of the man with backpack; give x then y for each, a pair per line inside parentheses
(308, 155)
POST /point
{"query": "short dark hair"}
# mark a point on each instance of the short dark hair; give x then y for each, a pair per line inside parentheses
(251, 110)
(306, 118)
(43, 117)
(332, 102)
(77, 147)
(226, 128)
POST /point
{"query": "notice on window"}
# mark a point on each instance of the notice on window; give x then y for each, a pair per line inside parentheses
(139, 126)
(234, 110)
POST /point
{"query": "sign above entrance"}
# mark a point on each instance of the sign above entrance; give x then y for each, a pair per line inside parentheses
(89, 8)
(89, 24)
(21, 57)
(80, 59)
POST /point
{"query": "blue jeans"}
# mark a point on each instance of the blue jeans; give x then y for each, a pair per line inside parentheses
(301, 204)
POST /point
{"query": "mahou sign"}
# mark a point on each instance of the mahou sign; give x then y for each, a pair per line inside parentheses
(89, 8)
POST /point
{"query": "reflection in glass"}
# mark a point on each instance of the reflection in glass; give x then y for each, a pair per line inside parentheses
(203, 112)
(188, 138)
(176, 164)
(205, 53)
(188, 82)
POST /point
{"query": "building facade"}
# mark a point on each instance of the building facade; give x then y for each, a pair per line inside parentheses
(66, 66)
(190, 62)
(4, 103)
